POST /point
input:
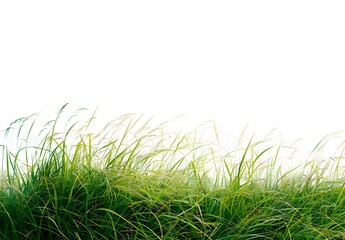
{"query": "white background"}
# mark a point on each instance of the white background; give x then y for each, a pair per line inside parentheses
(272, 64)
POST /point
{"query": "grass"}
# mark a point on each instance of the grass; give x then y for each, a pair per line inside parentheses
(133, 180)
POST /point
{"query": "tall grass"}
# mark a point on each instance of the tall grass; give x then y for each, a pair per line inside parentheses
(136, 180)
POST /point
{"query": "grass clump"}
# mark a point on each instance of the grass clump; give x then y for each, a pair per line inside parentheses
(134, 181)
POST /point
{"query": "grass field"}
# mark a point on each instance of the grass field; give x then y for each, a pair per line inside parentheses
(136, 180)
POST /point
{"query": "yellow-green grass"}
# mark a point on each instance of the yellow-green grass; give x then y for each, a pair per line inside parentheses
(133, 180)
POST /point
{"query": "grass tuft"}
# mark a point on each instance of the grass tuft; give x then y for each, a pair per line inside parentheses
(136, 180)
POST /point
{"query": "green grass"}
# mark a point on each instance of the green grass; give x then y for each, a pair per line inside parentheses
(135, 180)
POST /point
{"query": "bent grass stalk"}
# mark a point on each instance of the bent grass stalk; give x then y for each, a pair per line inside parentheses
(131, 180)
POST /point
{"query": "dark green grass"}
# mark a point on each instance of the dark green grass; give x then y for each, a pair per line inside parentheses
(135, 181)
